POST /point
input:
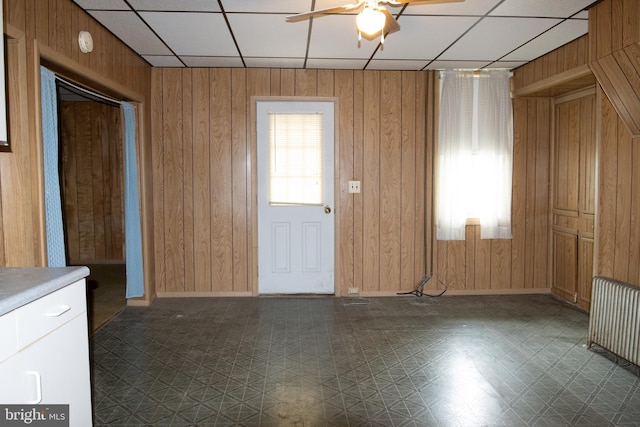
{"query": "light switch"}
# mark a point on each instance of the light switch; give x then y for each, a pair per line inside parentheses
(354, 186)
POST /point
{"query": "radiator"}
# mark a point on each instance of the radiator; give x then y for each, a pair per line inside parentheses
(614, 320)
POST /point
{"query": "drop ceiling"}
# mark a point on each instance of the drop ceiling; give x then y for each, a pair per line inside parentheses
(473, 34)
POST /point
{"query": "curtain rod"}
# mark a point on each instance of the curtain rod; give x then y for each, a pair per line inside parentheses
(89, 92)
(477, 73)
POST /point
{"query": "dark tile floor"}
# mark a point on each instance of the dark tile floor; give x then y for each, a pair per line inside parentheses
(450, 361)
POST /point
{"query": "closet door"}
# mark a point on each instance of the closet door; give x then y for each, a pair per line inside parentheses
(573, 195)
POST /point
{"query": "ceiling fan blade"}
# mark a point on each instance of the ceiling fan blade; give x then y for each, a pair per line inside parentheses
(338, 9)
(390, 23)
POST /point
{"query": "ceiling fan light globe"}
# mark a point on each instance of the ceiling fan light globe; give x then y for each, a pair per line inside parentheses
(370, 21)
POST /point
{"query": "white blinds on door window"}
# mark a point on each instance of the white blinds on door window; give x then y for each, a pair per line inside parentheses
(295, 159)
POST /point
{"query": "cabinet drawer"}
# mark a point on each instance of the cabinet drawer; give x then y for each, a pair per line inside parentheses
(8, 335)
(50, 312)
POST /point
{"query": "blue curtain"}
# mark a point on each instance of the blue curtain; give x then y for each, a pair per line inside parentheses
(133, 234)
(52, 202)
(53, 205)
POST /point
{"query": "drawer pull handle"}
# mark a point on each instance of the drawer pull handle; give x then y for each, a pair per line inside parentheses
(38, 387)
(61, 310)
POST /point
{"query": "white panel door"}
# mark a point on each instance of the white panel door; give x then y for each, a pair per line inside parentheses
(295, 224)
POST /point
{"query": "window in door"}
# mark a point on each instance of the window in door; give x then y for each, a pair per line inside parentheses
(296, 160)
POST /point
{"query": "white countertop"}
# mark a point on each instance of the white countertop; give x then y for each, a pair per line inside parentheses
(20, 286)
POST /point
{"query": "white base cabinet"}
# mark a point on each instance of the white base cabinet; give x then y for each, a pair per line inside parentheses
(49, 363)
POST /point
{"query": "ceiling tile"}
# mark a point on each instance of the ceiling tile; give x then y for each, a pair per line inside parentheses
(509, 65)
(272, 6)
(268, 35)
(163, 61)
(557, 36)
(102, 4)
(193, 34)
(335, 36)
(175, 33)
(132, 31)
(182, 5)
(540, 8)
(274, 62)
(390, 64)
(456, 64)
(424, 37)
(325, 4)
(469, 7)
(212, 61)
(487, 41)
(338, 64)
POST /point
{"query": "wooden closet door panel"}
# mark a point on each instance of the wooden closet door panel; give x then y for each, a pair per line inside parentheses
(565, 256)
(574, 197)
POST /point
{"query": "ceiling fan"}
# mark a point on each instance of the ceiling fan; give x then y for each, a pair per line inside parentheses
(373, 20)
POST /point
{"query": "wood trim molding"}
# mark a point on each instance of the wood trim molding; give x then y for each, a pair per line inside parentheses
(83, 75)
(463, 292)
(450, 292)
(37, 166)
(565, 231)
(139, 302)
(591, 90)
(566, 212)
(253, 100)
(558, 84)
(617, 77)
(200, 294)
(13, 32)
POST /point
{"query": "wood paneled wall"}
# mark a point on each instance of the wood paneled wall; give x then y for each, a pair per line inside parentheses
(520, 264)
(204, 157)
(92, 175)
(204, 175)
(563, 59)
(53, 25)
(614, 26)
(56, 24)
(618, 209)
(17, 221)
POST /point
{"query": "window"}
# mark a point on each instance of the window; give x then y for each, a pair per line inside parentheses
(295, 159)
(475, 154)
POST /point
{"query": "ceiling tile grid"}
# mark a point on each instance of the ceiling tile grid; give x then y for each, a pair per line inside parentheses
(470, 34)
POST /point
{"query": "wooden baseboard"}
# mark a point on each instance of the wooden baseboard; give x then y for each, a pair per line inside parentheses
(450, 292)
(138, 302)
(96, 262)
(462, 292)
(202, 294)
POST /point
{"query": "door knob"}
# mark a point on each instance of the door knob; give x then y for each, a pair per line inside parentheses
(327, 209)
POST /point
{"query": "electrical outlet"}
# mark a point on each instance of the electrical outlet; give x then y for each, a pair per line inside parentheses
(354, 290)
(354, 186)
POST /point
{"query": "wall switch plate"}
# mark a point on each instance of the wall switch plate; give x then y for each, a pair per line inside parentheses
(354, 186)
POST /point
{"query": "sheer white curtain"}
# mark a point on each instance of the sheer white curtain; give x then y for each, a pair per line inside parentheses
(454, 150)
(475, 151)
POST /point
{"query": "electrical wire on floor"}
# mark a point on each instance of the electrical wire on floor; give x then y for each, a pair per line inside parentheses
(419, 290)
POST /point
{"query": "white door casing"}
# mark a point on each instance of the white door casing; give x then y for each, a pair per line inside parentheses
(295, 241)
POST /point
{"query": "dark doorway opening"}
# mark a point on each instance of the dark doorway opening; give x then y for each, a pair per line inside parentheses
(92, 187)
